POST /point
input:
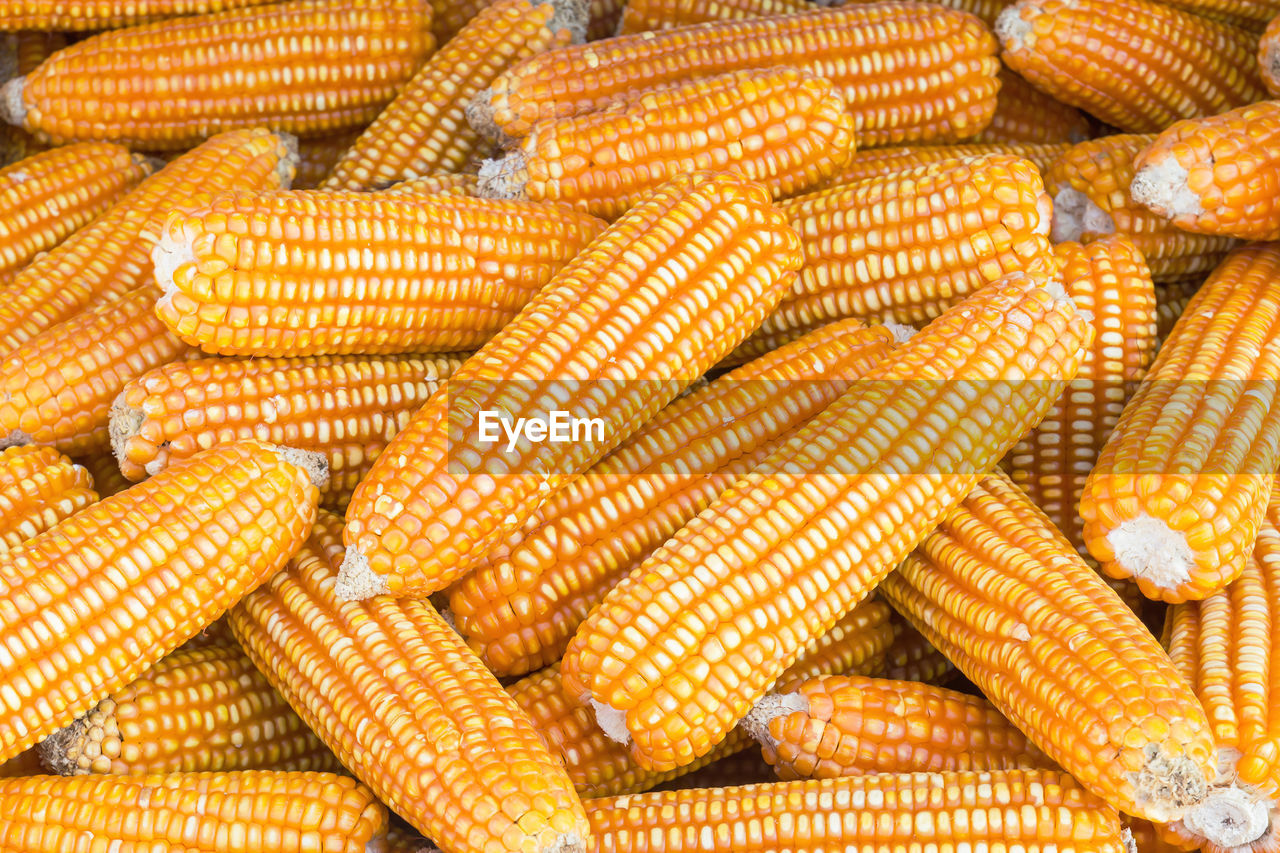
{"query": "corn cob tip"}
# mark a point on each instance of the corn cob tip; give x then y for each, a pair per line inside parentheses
(1163, 188)
(125, 422)
(772, 706)
(12, 109)
(1011, 29)
(16, 438)
(57, 749)
(314, 463)
(504, 177)
(612, 722)
(356, 581)
(1147, 548)
(571, 15)
(567, 842)
(1229, 817)
(1167, 787)
(901, 332)
(479, 113)
(170, 252)
(287, 166)
(1074, 213)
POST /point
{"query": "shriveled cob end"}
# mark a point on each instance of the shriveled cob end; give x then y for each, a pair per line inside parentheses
(505, 177)
(1149, 550)
(571, 15)
(16, 438)
(312, 462)
(1230, 817)
(12, 108)
(1075, 214)
(126, 422)
(1012, 29)
(611, 721)
(1162, 186)
(356, 580)
(1168, 785)
(479, 113)
(772, 706)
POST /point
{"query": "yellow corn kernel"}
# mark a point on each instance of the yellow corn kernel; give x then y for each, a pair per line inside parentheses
(1025, 114)
(38, 488)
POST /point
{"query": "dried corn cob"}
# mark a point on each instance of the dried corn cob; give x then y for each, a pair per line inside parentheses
(518, 611)
(1006, 597)
(1136, 64)
(599, 766)
(447, 183)
(347, 408)
(23, 764)
(109, 258)
(639, 16)
(1025, 114)
(425, 128)
(980, 219)
(1171, 300)
(1181, 486)
(907, 72)
(302, 273)
(1247, 14)
(700, 262)
(1150, 838)
(603, 18)
(847, 725)
(399, 699)
(1269, 57)
(97, 599)
(882, 162)
(57, 388)
(47, 196)
(836, 506)
(913, 658)
(38, 488)
(244, 812)
(782, 128)
(1034, 811)
(318, 155)
(1110, 280)
(201, 708)
(1091, 199)
(310, 67)
(82, 15)
(22, 52)
(1216, 175)
(448, 17)
(746, 767)
(104, 472)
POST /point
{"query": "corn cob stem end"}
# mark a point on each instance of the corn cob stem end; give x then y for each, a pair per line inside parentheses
(1010, 28)
(612, 722)
(1074, 213)
(57, 749)
(1163, 188)
(1166, 787)
(17, 438)
(125, 423)
(356, 581)
(1148, 549)
(479, 113)
(1229, 817)
(167, 255)
(12, 109)
(571, 15)
(768, 709)
(901, 332)
(287, 167)
(504, 177)
(310, 461)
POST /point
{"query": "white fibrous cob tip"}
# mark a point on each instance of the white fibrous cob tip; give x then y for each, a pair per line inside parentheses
(1163, 188)
(768, 709)
(356, 581)
(1075, 214)
(1150, 550)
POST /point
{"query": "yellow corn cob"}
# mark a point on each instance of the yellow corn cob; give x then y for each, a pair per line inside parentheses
(1006, 597)
(842, 725)
(699, 263)
(1171, 300)
(244, 812)
(1248, 14)
(318, 155)
(518, 611)
(1136, 64)
(1033, 811)
(599, 766)
(1214, 175)
(882, 162)
(640, 16)
(23, 764)
(1025, 114)
(95, 600)
(302, 273)
(47, 196)
(1110, 280)
(1091, 199)
(831, 512)
(1269, 57)
(913, 658)
(109, 257)
(746, 767)
(399, 699)
(81, 15)
(1181, 486)
(907, 71)
(782, 128)
(310, 67)
(346, 408)
(446, 183)
(38, 488)
(104, 472)
(425, 129)
(198, 709)
(905, 247)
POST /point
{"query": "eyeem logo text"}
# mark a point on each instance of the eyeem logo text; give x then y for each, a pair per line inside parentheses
(558, 427)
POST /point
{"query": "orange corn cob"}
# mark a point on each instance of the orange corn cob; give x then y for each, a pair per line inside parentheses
(346, 408)
(302, 273)
(1091, 199)
(1216, 175)
(245, 812)
(1136, 64)
(425, 129)
(1181, 486)
(913, 658)
(23, 764)
(518, 611)
(1269, 57)
(907, 71)
(1025, 114)
(836, 507)
(1171, 300)
(448, 17)
(399, 699)
(746, 767)
(882, 162)
(82, 15)
(318, 155)
(22, 52)
(109, 257)
(599, 766)
(95, 600)
(1110, 280)
(782, 128)
(864, 253)
(1151, 838)
(198, 709)
(700, 262)
(447, 183)
(104, 472)
(640, 16)
(842, 725)
(603, 18)
(47, 196)
(1248, 14)
(310, 67)
(1034, 811)
(1005, 596)
(38, 488)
